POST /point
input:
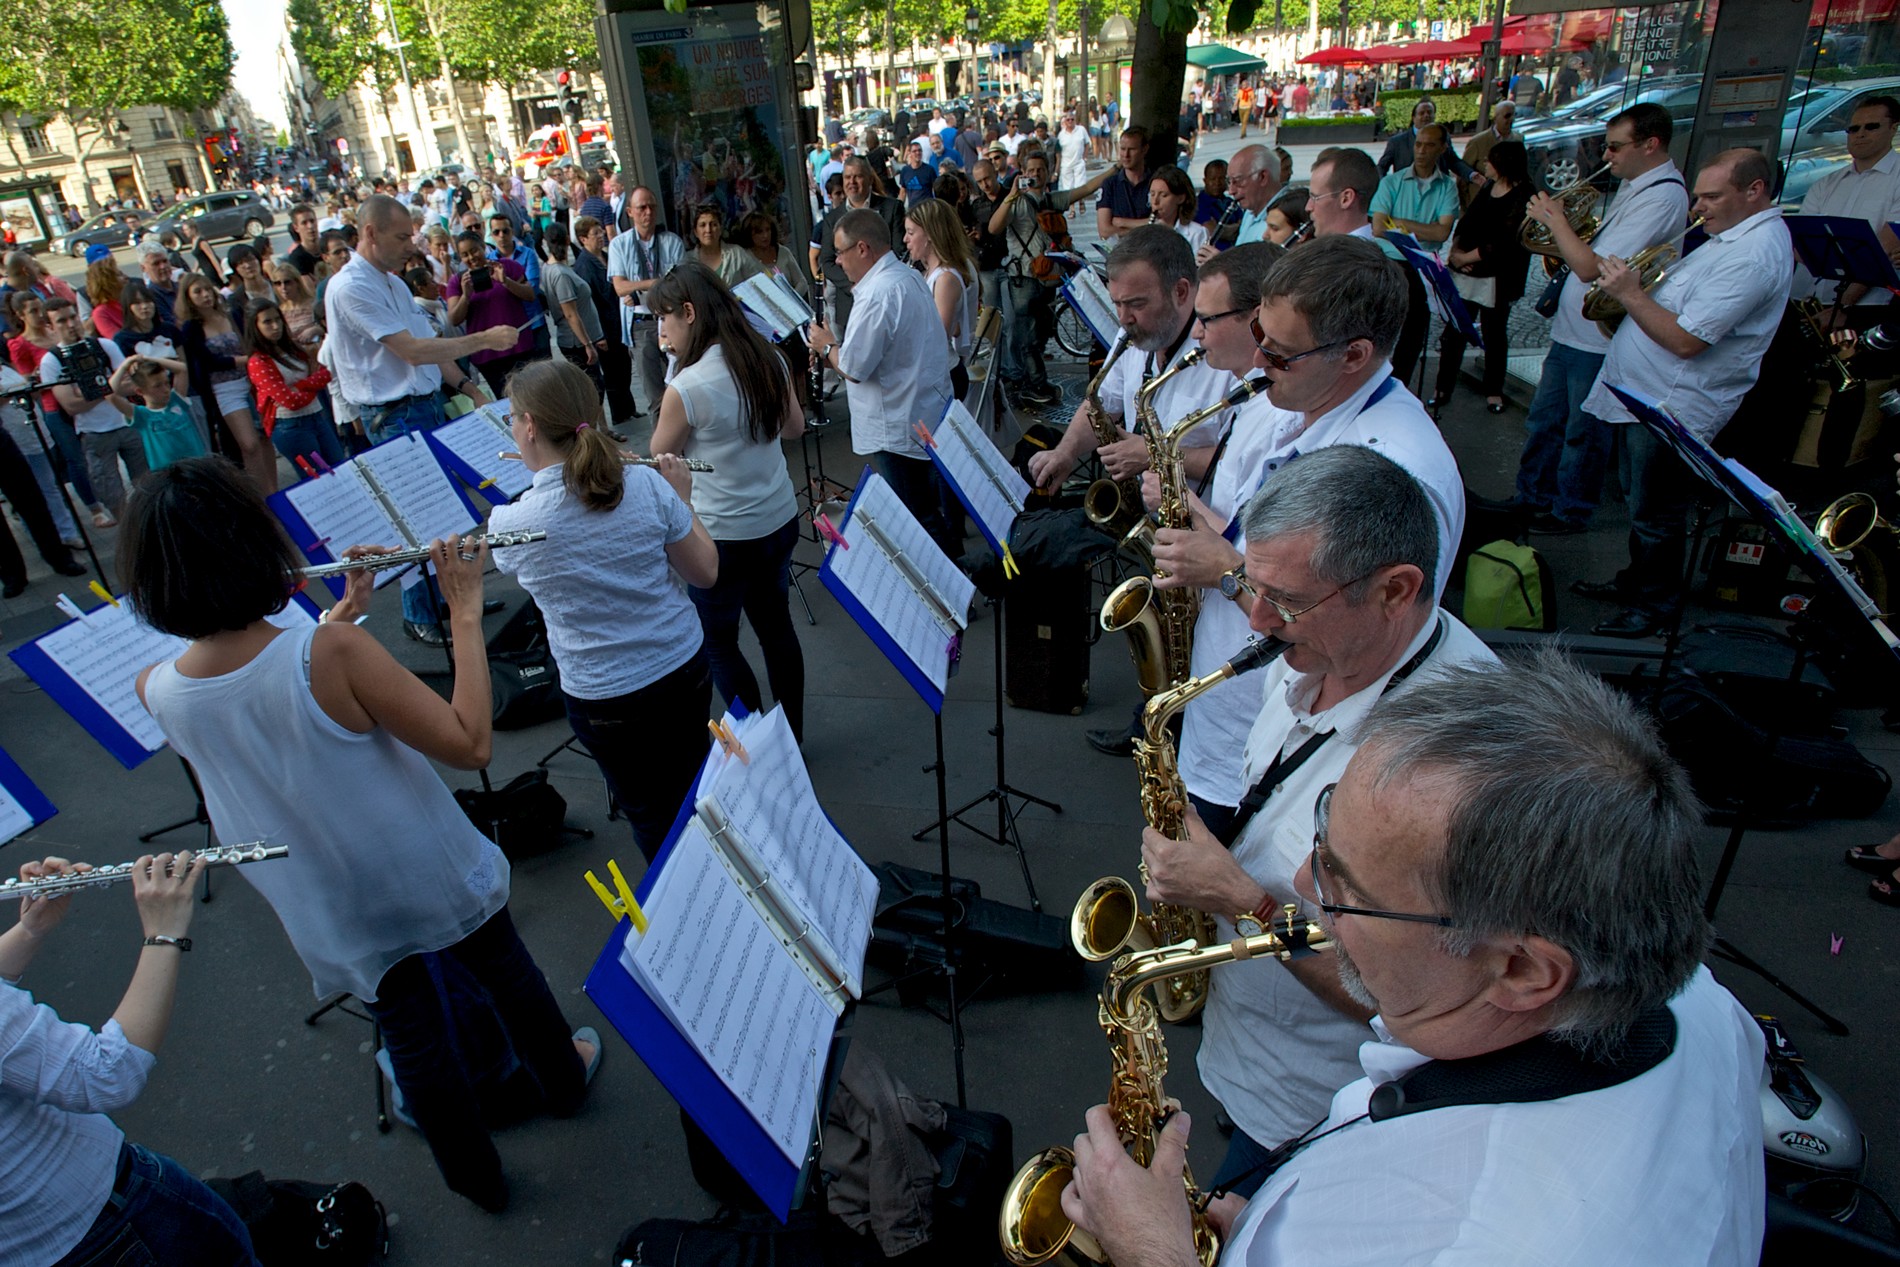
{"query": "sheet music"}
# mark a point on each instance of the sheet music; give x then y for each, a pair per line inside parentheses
(913, 621)
(711, 963)
(990, 486)
(342, 513)
(418, 488)
(104, 653)
(13, 816)
(1087, 293)
(774, 302)
(765, 808)
(476, 438)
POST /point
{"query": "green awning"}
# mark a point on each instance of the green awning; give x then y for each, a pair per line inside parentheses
(1218, 59)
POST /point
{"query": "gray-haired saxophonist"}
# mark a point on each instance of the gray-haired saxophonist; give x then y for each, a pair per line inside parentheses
(1342, 552)
(1507, 870)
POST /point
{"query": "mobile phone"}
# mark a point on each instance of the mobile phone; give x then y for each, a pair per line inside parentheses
(480, 278)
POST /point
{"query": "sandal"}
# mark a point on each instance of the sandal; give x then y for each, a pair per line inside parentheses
(1885, 892)
(1868, 858)
(103, 519)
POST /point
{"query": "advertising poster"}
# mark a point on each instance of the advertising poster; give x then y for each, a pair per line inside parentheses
(713, 112)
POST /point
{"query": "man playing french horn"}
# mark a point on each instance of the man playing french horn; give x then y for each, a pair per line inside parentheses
(1507, 871)
(1342, 552)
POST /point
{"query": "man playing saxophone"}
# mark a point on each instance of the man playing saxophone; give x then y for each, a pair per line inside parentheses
(1696, 344)
(1342, 550)
(1507, 871)
(1560, 473)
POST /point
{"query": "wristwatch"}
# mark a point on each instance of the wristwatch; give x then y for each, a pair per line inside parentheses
(183, 943)
(1234, 580)
(1259, 919)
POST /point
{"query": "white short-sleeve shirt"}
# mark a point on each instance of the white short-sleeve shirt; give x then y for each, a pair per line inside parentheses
(1873, 196)
(1648, 209)
(362, 306)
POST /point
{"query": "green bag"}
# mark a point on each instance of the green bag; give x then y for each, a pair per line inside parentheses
(1509, 586)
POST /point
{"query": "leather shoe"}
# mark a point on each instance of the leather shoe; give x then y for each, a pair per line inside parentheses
(493, 606)
(1115, 743)
(1628, 623)
(12, 589)
(1550, 525)
(427, 635)
(71, 567)
(1607, 590)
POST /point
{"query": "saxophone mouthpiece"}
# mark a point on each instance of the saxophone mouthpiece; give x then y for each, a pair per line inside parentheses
(1194, 358)
(1257, 655)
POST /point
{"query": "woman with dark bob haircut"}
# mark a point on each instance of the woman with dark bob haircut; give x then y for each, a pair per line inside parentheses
(313, 736)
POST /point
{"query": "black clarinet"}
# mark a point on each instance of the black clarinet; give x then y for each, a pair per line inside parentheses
(1227, 210)
(814, 364)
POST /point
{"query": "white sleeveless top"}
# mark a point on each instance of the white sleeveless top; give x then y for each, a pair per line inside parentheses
(383, 863)
(966, 318)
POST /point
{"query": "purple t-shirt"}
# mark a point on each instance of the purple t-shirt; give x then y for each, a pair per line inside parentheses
(494, 307)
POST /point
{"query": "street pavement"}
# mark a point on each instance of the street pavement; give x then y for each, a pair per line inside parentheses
(244, 1083)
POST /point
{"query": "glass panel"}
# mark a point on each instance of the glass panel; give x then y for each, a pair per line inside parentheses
(1853, 53)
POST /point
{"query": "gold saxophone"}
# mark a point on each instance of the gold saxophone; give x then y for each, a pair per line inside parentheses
(1827, 352)
(1031, 1225)
(1110, 506)
(1107, 918)
(1160, 622)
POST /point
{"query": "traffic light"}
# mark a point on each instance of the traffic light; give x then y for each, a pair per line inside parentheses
(570, 104)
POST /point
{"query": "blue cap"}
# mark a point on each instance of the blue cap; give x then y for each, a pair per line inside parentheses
(98, 251)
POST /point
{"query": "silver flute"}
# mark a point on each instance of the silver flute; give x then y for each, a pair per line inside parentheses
(631, 459)
(402, 558)
(99, 877)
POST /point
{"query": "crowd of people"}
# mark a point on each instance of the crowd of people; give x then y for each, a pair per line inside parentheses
(1470, 836)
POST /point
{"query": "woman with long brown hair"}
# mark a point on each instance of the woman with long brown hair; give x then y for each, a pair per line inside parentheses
(215, 356)
(633, 667)
(730, 403)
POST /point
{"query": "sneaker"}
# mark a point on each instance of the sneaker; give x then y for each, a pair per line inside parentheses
(1114, 743)
(398, 1103)
(1040, 394)
(427, 635)
(1551, 526)
(71, 567)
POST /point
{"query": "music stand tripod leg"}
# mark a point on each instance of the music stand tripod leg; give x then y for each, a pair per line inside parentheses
(200, 817)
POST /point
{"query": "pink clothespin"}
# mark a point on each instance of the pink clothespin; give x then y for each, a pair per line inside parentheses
(923, 435)
(1834, 941)
(323, 466)
(823, 523)
(318, 544)
(724, 737)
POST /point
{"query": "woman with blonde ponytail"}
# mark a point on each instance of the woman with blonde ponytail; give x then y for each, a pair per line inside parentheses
(625, 636)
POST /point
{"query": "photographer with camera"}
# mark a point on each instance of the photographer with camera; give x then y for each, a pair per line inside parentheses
(486, 295)
(87, 378)
(1030, 278)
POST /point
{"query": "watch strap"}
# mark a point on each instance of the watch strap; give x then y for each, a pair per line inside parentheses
(182, 943)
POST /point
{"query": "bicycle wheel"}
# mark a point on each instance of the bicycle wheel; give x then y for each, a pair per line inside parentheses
(1073, 333)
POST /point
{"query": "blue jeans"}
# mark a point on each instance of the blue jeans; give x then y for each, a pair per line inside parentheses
(1010, 367)
(66, 444)
(160, 1213)
(420, 605)
(755, 581)
(1661, 490)
(1026, 330)
(649, 745)
(306, 434)
(409, 1007)
(1568, 450)
(1244, 1155)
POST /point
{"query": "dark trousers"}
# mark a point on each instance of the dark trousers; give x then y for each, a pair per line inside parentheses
(755, 581)
(577, 357)
(159, 1212)
(1241, 1170)
(616, 368)
(1494, 324)
(920, 488)
(66, 444)
(1660, 490)
(1219, 818)
(1417, 327)
(1567, 450)
(23, 491)
(495, 373)
(410, 1009)
(649, 745)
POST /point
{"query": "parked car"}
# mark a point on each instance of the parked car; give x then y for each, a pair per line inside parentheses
(109, 228)
(1807, 167)
(1564, 148)
(229, 213)
(1817, 116)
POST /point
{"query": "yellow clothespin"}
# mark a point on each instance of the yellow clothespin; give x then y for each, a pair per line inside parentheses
(102, 592)
(1011, 570)
(728, 741)
(621, 904)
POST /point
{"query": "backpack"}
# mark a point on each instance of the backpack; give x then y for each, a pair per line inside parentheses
(293, 1221)
(1509, 586)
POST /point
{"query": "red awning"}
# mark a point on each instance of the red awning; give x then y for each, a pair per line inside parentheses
(1334, 56)
(1850, 12)
(1419, 51)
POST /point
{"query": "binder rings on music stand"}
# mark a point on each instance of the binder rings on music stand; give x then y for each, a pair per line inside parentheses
(900, 588)
(395, 495)
(758, 915)
(90, 668)
(990, 488)
(22, 805)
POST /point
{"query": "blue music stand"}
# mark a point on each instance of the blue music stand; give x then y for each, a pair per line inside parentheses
(1841, 249)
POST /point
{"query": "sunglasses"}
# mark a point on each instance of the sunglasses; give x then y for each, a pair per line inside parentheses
(1854, 128)
(1275, 361)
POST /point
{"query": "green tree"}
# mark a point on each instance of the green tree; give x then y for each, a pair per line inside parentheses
(87, 60)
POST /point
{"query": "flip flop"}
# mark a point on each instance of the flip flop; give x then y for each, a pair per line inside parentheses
(588, 1034)
(1867, 858)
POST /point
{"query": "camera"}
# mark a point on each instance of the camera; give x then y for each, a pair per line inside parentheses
(85, 367)
(1030, 182)
(480, 279)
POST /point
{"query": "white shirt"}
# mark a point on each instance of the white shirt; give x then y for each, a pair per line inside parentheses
(895, 360)
(1649, 209)
(362, 306)
(1396, 426)
(1196, 234)
(1012, 141)
(618, 618)
(1074, 145)
(1665, 1168)
(965, 337)
(1873, 196)
(102, 415)
(637, 259)
(1193, 388)
(937, 125)
(748, 493)
(1730, 293)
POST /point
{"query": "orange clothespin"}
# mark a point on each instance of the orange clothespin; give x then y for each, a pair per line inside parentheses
(923, 435)
(725, 738)
(828, 531)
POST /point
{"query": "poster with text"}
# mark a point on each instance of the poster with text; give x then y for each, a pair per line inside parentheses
(713, 112)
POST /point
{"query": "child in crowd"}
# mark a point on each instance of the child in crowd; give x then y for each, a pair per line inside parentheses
(165, 423)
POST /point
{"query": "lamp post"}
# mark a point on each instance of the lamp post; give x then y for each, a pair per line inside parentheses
(1082, 46)
(973, 26)
(1118, 40)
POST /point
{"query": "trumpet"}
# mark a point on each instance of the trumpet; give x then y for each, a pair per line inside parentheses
(1651, 264)
(53, 886)
(1579, 199)
(402, 558)
(1827, 351)
(630, 459)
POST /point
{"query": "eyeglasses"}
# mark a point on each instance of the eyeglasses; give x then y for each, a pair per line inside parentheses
(1314, 195)
(1322, 812)
(1276, 361)
(1617, 147)
(1854, 128)
(1207, 319)
(1288, 615)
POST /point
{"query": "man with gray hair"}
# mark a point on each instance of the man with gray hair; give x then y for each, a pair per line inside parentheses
(1506, 869)
(1253, 180)
(1342, 555)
